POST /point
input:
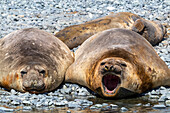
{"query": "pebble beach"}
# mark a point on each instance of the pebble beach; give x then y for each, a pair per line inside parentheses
(54, 15)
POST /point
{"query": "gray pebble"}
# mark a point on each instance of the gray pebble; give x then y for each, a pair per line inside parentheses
(6, 109)
(98, 105)
(113, 106)
(93, 107)
(162, 98)
(59, 104)
(123, 109)
(159, 106)
(154, 97)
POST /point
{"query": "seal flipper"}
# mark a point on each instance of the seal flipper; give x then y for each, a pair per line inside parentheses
(138, 26)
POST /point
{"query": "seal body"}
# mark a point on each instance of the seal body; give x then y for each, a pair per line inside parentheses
(75, 35)
(118, 63)
(32, 60)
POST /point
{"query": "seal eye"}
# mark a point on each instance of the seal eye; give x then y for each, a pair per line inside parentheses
(123, 64)
(42, 72)
(103, 63)
(23, 73)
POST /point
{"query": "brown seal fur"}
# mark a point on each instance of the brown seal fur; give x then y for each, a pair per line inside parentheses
(118, 63)
(32, 60)
(75, 35)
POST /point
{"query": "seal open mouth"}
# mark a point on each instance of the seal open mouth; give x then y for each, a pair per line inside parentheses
(110, 82)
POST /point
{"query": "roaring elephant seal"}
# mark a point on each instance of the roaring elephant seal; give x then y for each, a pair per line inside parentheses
(32, 60)
(118, 63)
(75, 35)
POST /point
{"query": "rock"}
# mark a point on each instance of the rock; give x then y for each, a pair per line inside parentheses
(153, 97)
(93, 107)
(98, 105)
(59, 104)
(147, 105)
(162, 98)
(113, 106)
(13, 92)
(159, 106)
(6, 109)
(68, 111)
(123, 109)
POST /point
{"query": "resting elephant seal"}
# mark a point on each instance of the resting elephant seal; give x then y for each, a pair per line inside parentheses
(75, 35)
(118, 63)
(32, 60)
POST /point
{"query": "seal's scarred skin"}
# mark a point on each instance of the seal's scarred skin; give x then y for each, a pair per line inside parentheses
(75, 35)
(118, 63)
(32, 60)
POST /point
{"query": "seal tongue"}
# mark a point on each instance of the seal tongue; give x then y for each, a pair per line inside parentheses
(110, 82)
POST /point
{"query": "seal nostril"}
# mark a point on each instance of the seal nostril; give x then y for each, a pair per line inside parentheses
(42, 72)
(106, 67)
(111, 67)
(23, 73)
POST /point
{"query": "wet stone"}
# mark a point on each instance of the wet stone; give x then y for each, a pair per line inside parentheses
(153, 92)
(167, 102)
(162, 98)
(123, 109)
(147, 105)
(138, 104)
(73, 105)
(113, 106)
(164, 91)
(93, 107)
(98, 105)
(27, 108)
(159, 106)
(6, 109)
(154, 97)
(68, 111)
(104, 104)
(59, 104)
(13, 92)
(15, 103)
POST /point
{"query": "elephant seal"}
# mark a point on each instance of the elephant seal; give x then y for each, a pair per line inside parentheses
(118, 63)
(75, 35)
(32, 60)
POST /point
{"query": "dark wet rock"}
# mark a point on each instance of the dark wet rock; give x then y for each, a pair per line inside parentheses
(114, 106)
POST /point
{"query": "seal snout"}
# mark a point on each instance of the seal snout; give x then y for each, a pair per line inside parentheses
(33, 80)
(111, 75)
(33, 85)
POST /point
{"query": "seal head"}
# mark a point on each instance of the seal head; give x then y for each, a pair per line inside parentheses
(33, 60)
